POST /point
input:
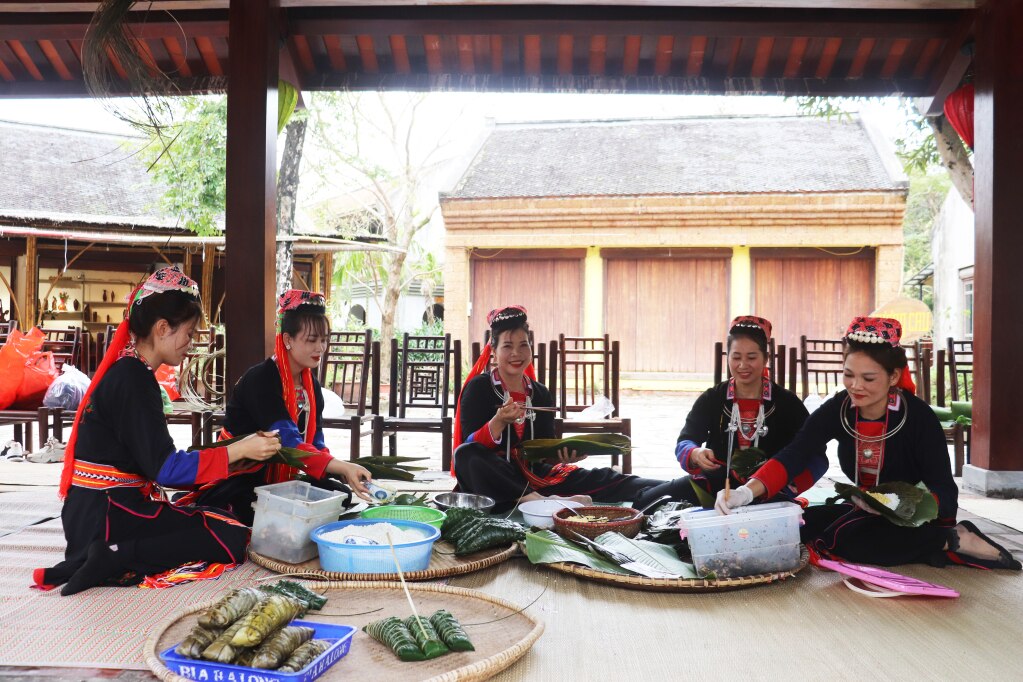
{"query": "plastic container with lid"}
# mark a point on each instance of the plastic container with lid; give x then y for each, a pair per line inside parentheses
(285, 515)
(761, 538)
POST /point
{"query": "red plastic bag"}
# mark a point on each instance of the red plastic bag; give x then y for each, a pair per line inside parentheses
(167, 377)
(40, 372)
(16, 351)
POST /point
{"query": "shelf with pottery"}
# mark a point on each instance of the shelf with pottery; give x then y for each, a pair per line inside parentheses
(94, 295)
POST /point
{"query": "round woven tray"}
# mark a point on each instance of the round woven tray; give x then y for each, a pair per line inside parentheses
(638, 582)
(443, 563)
(499, 631)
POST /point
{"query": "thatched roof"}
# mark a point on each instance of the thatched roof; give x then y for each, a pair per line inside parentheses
(58, 175)
(679, 156)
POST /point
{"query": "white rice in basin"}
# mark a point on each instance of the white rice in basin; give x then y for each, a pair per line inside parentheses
(372, 534)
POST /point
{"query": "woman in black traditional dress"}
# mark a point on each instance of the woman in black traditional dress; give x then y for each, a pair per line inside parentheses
(885, 434)
(282, 395)
(494, 416)
(748, 410)
(120, 453)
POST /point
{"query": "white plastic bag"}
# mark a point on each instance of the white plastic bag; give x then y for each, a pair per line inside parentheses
(68, 389)
(602, 408)
(333, 406)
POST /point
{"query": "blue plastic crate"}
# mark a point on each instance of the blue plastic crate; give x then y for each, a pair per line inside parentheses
(340, 635)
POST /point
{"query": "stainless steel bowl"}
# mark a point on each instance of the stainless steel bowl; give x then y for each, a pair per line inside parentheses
(447, 501)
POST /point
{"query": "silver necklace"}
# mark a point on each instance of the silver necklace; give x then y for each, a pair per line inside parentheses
(859, 438)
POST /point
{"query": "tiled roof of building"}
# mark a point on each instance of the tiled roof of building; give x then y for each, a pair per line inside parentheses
(64, 175)
(678, 156)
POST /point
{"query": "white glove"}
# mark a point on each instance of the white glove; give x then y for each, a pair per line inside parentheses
(738, 497)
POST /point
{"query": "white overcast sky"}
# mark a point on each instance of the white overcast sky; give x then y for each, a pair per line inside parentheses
(90, 115)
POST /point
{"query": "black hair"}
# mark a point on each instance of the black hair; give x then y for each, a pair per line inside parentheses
(305, 316)
(509, 325)
(176, 307)
(885, 354)
(756, 335)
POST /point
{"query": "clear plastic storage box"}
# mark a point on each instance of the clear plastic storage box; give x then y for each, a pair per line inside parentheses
(761, 538)
(285, 515)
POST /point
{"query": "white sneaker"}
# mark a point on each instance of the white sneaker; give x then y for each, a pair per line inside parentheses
(50, 453)
(13, 452)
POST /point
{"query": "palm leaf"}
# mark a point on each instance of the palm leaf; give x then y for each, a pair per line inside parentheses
(706, 501)
(540, 449)
(546, 547)
(916, 504)
(291, 456)
(746, 462)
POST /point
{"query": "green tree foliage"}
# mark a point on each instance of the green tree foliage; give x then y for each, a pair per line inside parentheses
(189, 158)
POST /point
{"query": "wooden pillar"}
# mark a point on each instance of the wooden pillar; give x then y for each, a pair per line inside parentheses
(740, 298)
(328, 271)
(314, 279)
(996, 458)
(251, 223)
(593, 293)
(209, 262)
(30, 307)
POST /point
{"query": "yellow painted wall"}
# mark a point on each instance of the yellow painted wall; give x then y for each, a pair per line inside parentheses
(742, 282)
(593, 293)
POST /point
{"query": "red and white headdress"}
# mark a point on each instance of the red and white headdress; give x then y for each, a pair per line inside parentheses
(750, 322)
(875, 330)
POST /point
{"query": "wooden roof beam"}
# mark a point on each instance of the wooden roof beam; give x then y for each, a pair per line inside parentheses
(611, 20)
(951, 66)
(157, 25)
(603, 83)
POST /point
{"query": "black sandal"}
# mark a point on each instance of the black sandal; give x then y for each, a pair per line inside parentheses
(1004, 560)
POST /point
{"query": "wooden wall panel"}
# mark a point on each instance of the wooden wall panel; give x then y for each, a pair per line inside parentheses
(815, 296)
(661, 308)
(551, 289)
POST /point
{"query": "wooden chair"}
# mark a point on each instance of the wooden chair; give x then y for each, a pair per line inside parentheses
(349, 368)
(539, 356)
(955, 366)
(586, 368)
(422, 373)
(22, 421)
(5, 330)
(821, 365)
(776, 368)
(65, 344)
(919, 366)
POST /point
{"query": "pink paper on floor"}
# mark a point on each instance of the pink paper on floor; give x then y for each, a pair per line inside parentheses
(888, 580)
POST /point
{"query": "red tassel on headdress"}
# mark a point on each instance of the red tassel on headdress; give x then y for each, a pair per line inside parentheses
(906, 382)
(283, 472)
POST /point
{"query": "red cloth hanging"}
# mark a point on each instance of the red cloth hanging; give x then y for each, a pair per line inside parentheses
(959, 112)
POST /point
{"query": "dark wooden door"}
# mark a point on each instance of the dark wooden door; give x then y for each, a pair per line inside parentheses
(666, 307)
(549, 284)
(806, 292)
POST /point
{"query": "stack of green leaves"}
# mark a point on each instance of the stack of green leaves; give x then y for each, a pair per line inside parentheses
(540, 449)
(471, 530)
(394, 468)
(916, 505)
